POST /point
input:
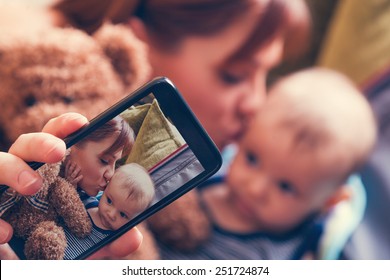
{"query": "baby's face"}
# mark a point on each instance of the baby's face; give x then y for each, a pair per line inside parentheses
(273, 186)
(115, 207)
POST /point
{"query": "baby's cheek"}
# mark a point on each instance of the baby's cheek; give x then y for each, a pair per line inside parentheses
(237, 170)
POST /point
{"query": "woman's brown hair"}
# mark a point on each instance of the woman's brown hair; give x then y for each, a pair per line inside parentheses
(117, 125)
(170, 21)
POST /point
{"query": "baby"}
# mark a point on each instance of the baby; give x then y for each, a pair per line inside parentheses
(314, 130)
(130, 191)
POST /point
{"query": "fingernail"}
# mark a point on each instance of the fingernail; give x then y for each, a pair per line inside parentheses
(29, 181)
(76, 117)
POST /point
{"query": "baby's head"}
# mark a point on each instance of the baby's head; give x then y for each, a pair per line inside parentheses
(130, 191)
(314, 130)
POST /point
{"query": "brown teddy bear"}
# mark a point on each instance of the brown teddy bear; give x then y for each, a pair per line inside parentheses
(37, 219)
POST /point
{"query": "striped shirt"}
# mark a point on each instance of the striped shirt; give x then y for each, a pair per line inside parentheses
(227, 245)
(76, 246)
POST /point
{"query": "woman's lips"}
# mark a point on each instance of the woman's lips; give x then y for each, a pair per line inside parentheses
(102, 187)
(238, 133)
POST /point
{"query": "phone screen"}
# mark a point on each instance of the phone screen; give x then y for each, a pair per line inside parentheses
(163, 153)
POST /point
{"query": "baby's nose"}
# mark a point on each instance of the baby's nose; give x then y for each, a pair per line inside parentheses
(111, 215)
(258, 188)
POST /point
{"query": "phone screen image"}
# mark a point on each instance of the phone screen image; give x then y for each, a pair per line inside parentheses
(129, 162)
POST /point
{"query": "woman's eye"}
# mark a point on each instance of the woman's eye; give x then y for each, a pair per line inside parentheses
(230, 78)
(103, 161)
(251, 159)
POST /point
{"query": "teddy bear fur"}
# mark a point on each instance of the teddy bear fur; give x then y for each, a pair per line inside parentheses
(42, 230)
(182, 225)
(48, 71)
(51, 71)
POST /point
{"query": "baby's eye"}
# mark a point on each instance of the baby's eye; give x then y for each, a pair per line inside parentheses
(251, 159)
(123, 215)
(109, 201)
(103, 161)
(286, 187)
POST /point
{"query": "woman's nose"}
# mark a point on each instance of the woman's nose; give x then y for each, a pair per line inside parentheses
(109, 172)
(253, 98)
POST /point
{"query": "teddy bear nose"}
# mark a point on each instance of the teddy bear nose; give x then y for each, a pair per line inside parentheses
(67, 99)
(30, 101)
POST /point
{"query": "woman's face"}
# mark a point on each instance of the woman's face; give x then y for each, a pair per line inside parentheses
(224, 98)
(96, 167)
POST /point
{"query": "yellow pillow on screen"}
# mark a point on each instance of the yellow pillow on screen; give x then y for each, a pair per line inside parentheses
(156, 139)
(135, 116)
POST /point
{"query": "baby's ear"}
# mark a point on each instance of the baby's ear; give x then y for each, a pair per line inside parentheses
(126, 52)
(342, 193)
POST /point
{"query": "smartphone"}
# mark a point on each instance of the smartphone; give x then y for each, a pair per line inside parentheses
(169, 144)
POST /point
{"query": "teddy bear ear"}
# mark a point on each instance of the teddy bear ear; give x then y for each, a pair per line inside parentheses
(127, 54)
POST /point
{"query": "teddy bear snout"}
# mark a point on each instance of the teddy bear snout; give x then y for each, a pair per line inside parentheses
(30, 100)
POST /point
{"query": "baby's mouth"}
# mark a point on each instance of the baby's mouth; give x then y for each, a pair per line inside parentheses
(242, 206)
(105, 223)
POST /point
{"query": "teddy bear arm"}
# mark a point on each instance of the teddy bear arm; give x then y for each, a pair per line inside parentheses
(69, 206)
(183, 225)
(46, 242)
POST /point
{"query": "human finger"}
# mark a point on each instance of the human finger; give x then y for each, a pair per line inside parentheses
(6, 253)
(70, 169)
(65, 124)
(6, 232)
(123, 246)
(39, 146)
(67, 168)
(76, 170)
(16, 174)
(77, 179)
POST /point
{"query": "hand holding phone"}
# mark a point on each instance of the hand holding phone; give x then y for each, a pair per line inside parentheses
(45, 146)
(169, 143)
